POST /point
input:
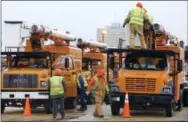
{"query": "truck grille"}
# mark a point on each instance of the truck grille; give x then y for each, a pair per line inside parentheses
(140, 84)
(20, 81)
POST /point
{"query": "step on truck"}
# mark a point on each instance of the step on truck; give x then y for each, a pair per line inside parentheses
(151, 77)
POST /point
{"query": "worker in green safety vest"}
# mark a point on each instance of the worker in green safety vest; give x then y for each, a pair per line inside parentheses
(57, 91)
(136, 19)
(99, 86)
(82, 85)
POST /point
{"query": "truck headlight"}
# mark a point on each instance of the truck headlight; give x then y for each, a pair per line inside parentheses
(115, 88)
(43, 84)
(166, 90)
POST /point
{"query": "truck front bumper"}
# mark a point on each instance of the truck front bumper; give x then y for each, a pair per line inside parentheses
(141, 99)
(23, 95)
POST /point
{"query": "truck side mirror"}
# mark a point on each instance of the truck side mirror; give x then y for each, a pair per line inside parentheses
(67, 63)
(180, 65)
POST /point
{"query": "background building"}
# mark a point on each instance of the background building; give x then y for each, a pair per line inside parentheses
(111, 34)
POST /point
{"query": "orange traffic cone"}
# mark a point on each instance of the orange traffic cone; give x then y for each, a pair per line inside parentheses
(126, 109)
(27, 110)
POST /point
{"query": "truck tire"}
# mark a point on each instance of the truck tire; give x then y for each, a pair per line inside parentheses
(180, 101)
(115, 109)
(48, 106)
(185, 97)
(170, 108)
(2, 107)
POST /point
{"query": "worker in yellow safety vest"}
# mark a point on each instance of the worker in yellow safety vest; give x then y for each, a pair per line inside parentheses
(99, 86)
(57, 90)
(82, 86)
(136, 19)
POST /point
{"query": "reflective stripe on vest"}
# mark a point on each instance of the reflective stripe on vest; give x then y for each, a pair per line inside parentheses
(85, 83)
(137, 16)
(97, 82)
(56, 86)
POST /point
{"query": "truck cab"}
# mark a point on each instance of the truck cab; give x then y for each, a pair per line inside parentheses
(151, 77)
(26, 75)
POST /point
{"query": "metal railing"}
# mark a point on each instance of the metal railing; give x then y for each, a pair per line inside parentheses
(14, 49)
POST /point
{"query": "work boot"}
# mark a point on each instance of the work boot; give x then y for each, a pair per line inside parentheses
(95, 115)
(81, 109)
(54, 118)
(85, 108)
(62, 117)
(101, 116)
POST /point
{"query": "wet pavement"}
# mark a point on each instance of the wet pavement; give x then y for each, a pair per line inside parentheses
(16, 114)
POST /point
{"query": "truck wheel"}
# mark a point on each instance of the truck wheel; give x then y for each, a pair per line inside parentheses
(2, 107)
(170, 108)
(48, 106)
(180, 101)
(185, 98)
(115, 109)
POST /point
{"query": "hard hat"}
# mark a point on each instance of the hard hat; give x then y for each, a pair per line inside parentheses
(57, 72)
(100, 72)
(139, 4)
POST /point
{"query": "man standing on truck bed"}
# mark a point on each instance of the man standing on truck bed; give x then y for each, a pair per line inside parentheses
(136, 19)
(147, 29)
(57, 89)
(82, 85)
(99, 85)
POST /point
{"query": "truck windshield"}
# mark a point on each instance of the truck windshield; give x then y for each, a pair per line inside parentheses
(62, 61)
(145, 63)
(31, 62)
(91, 64)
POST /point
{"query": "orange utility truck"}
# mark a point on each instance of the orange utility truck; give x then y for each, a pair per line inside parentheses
(27, 72)
(66, 57)
(151, 77)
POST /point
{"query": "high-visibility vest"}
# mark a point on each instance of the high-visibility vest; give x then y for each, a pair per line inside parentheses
(78, 82)
(56, 86)
(137, 16)
(96, 83)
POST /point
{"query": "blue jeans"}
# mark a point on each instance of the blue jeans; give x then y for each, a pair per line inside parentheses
(56, 102)
(82, 97)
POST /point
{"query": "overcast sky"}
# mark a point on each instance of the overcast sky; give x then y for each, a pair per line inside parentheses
(82, 18)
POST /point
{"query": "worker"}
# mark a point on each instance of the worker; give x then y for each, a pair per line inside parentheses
(32, 63)
(136, 19)
(57, 89)
(99, 86)
(147, 29)
(82, 86)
